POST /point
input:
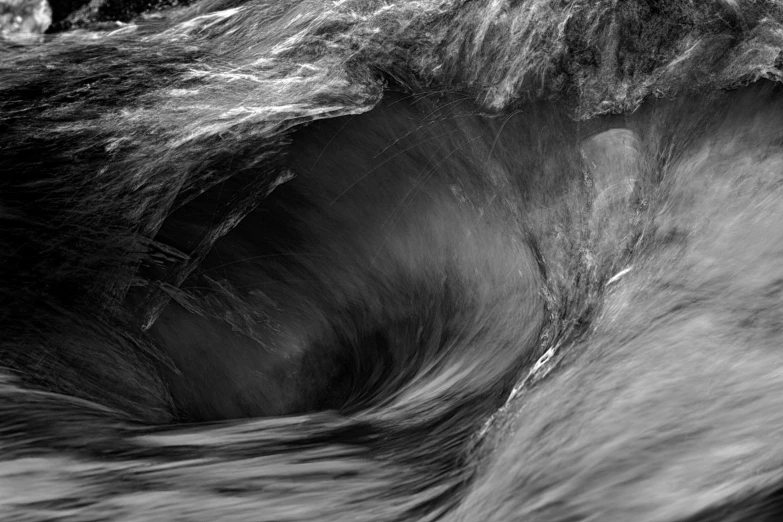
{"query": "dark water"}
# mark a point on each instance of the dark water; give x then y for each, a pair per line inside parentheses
(370, 318)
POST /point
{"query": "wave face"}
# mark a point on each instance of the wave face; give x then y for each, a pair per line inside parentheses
(296, 261)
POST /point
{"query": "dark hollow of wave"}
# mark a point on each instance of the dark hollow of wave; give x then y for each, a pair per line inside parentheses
(389, 270)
